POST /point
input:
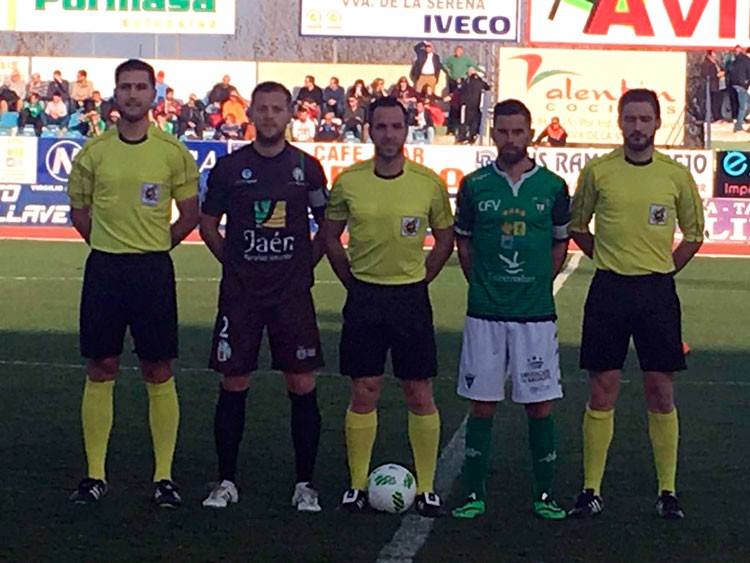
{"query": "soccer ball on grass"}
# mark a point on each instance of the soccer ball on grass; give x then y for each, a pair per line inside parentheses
(391, 488)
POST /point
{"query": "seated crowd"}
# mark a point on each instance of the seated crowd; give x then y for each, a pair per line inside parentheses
(330, 114)
(335, 113)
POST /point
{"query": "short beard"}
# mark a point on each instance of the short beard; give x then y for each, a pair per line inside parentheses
(647, 143)
(268, 141)
(509, 159)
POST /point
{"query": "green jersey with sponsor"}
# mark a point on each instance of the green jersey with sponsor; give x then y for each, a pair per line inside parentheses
(512, 228)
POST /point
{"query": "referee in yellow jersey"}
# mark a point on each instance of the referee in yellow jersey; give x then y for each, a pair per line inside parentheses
(388, 203)
(121, 190)
(636, 196)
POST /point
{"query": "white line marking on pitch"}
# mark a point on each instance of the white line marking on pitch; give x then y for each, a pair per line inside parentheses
(414, 529)
(79, 279)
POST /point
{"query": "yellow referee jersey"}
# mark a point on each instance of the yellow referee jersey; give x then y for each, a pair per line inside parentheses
(635, 209)
(129, 188)
(388, 219)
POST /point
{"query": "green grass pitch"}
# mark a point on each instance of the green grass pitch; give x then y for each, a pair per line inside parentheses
(42, 453)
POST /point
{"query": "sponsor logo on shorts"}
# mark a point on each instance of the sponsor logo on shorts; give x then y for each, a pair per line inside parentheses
(150, 194)
(303, 353)
(536, 374)
(410, 226)
(223, 351)
(469, 380)
(657, 215)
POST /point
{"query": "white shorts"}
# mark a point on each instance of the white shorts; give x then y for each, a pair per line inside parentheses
(493, 351)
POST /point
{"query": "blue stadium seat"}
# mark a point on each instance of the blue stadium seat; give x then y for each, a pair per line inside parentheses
(75, 119)
(50, 133)
(27, 131)
(9, 119)
(6, 132)
(73, 134)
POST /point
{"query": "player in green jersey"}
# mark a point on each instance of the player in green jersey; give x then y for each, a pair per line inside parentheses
(512, 225)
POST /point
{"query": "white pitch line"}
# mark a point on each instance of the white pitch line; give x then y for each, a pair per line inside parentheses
(414, 529)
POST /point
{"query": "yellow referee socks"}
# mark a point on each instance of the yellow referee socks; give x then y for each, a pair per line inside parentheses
(598, 429)
(163, 418)
(361, 430)
(424, 436)
(96, 417)
(664, 431)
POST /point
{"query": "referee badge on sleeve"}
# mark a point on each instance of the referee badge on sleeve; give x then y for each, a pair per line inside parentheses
(657, 215)
(410, 226)
(150, 193)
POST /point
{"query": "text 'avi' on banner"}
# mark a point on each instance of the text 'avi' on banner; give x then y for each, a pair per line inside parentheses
(122, 16)
(485, 20)
(732, 174)
(582, 88)
(684, 24)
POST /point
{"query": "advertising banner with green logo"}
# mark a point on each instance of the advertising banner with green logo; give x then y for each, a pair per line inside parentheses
(120, 16)
(581, 87)
(683, 24)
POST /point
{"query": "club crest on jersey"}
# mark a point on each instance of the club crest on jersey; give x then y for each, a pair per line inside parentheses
(246, 174)
(298, 175)
(657, 215)
(270, 214)
(150, 194)
(410, 226)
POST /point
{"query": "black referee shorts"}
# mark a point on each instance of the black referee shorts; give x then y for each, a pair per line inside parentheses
(644, 307)
(378, 318)
(129, 290)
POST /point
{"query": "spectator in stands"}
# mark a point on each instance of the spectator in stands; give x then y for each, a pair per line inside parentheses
(433, 104)
(359, 91)
(734, 102)
(56, 111)
(426, 67)
(220, 92)
(163, 123)
(91, 121)
(81, 90)
(58, 86)
(14, 81)
(713, 74)
(113, 117)
(354, 118)
(421, 125)
(161, 86)
(171, 107)
(740, 78)
(31, 113)
(234, 105)
(554, 132)
(329, 129)
(378, 89)
(37, 86)
(456, 67)
(471, 100)
(191, 117)
(230, 130)
(310, 97)
(334, 98)
(102, 106)
(404, 93)
(303, 127)
(9, 100)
